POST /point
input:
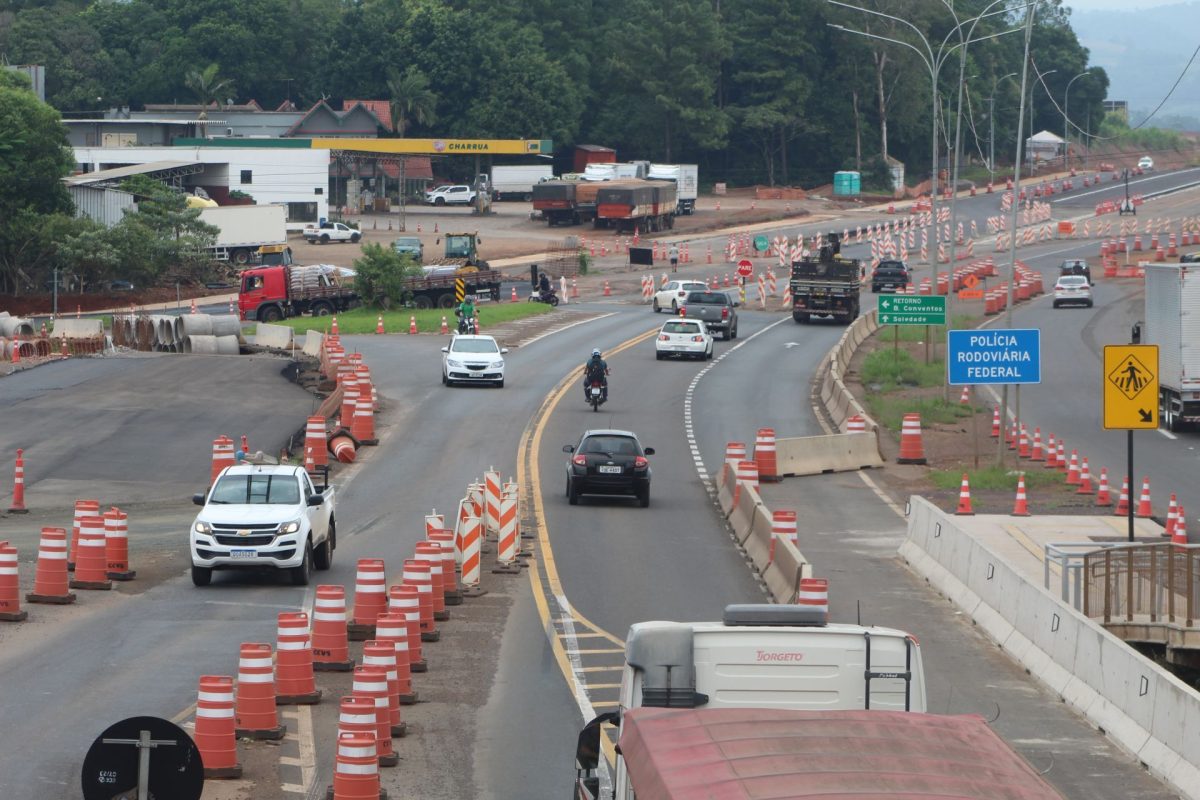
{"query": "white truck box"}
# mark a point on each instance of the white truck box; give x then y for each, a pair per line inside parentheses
(687, 183)
(516, 182)
(612, 172)
(1172, 321)
(244, 229)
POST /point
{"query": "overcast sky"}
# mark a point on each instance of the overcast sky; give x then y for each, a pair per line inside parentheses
(1113, 5)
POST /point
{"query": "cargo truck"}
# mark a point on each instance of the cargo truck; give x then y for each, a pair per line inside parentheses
(269, 294)
(682, 754)
(517, 182)
(648, 206)
(827, 285)
(686, 178)
(1172, 321)
(557, 202)
(759, 656)
(242, 230)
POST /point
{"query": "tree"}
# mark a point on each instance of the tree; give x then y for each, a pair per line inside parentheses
(380, 274)
(411, 99)
(172, 235)
(209, 88)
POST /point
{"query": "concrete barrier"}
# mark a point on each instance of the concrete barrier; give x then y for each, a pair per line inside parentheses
(1138, 704)
(275, 336)
(839, 452)
(312, 343)
(78, 328)
(725, 484)
(783, 575)
(741, 516)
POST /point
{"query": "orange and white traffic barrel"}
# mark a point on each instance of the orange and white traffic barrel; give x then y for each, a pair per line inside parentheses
(10, 585)
(392, 627)
(116, 545)
(735, 452)
(343, 448)
(370, 681)
(349, 384)
(856, 424)
(356, 768)
(450, 591)
(222, 456)
(314, 441)
(431, 554)
(363, 424)
(83, 508)
(382, 655)
(416, 573)
(90, 571)
(295, 683)
(764, 454)
(50, 580)
(783, 527)
(330, 641)
(434, 522)
(255, 713)
(912, 449)
(813, 595)
(370, 598)
(406, 600)
(747, 472)
(214, 732)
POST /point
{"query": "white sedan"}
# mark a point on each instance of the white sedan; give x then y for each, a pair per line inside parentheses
(684, 337)
(473, 359)
(1146, 163)
(1072, 289)
(673, 293)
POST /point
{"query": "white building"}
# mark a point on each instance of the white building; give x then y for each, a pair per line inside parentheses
(297, 177)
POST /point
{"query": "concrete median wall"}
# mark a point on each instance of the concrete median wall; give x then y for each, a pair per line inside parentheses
(89, 328)
(750, 520)
(839, 452)
(278, 337)
(312, 343)
(1140, 705)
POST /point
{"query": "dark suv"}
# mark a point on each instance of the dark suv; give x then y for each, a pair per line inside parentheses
(608, 462)
(889, 276)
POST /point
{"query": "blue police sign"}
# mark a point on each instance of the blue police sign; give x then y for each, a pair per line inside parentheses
(977, 357)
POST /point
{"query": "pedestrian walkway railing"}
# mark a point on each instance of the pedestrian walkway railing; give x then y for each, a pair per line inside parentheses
(1067, 558)
(1155, 583)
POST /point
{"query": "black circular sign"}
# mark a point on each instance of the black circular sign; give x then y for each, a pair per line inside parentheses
(110, 769)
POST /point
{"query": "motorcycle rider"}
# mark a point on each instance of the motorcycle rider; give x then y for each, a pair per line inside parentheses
(544, 288)
(465, 311)
(596, 369)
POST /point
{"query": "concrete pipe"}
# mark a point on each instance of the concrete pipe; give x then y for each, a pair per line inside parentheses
(200, 344)
(11, 327)
(226, 325)
(192, 325)
(164, 333)
(342, 448)
(228, 345)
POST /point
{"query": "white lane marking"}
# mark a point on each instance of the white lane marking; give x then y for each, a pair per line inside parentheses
(553, 331)
(570, 645)
(1167, 433)
(1120, 187)
(689, 428)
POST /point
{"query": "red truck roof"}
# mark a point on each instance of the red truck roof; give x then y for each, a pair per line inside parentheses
(772, 754)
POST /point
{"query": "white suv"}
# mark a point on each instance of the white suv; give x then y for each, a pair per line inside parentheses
(672, 295)
(473, 359)
(1146, 163)
(459, 194)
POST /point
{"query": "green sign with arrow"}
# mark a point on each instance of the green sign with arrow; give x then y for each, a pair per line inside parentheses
(912, 309)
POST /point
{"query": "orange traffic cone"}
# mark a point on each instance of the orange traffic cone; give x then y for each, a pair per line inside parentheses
(412, 323)
(1011, 436)
(965, 397)
(1172, 516)
(331, 645)
(50, 580)
(996, 422)
(356, 769)
(379, 324)
(1023, 446)
(1085, 479)
(1020, 508)
(10, 588)
(1143, 509)
(1180, 535)
(964, 498)
(18, 501)
(255, 714)
(295, 683)
(1073, 469)
(1051, 453)
(116, 545)
(514, 295)
(1122, 509)
(1062, 457)
(193, 305)
(1037, 454)
(1102, 494)
(90, 572)
(445, 326)
(607, 290)
(392, 628)
(382, 655)
(214, 732)
(333, 328)
(912, 449)
(371, 681)
(370, 598)
(405, 601)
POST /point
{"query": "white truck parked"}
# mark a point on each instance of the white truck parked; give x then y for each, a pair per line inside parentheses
(1172, 321)
(517, 182)
(687, 183)
(242, 230)
(759, 656)
(328, 232)
(263, 516)
(616, 171)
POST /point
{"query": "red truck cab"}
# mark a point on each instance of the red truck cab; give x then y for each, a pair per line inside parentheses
(261, 286)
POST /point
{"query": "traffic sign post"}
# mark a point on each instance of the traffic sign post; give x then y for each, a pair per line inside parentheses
(912, 310)
(977, 357)
(1129, 386)
(745, 268)
(142, 758)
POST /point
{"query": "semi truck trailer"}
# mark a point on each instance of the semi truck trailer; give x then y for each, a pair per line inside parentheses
(1172, 321)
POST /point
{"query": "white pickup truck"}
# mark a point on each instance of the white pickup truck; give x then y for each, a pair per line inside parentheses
(331, 232)
(263, 516)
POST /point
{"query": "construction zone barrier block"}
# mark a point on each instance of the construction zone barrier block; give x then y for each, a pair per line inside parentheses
(839, 452)
(277, 337)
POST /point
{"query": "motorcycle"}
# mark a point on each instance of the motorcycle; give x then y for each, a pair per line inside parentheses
(538, 296)
(596, 395)
(468, 326)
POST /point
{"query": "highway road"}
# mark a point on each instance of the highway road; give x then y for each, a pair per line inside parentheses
(498, 719)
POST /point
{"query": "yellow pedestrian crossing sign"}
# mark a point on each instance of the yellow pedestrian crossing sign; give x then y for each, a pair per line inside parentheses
(1130, 386)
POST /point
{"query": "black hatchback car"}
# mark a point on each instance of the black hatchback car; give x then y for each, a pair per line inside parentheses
(608, 462)
(889, 276)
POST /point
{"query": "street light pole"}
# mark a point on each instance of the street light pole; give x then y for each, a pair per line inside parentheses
(992, 127)
(1066, 121)
(1032, 89)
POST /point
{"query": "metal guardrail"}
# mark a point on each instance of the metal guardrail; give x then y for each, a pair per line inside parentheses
(1069, 557)
(1159, 583)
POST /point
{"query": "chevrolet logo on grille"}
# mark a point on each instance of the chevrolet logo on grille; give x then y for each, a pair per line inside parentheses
(243, 533)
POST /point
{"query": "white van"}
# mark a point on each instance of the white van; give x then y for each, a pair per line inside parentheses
(758, 656)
